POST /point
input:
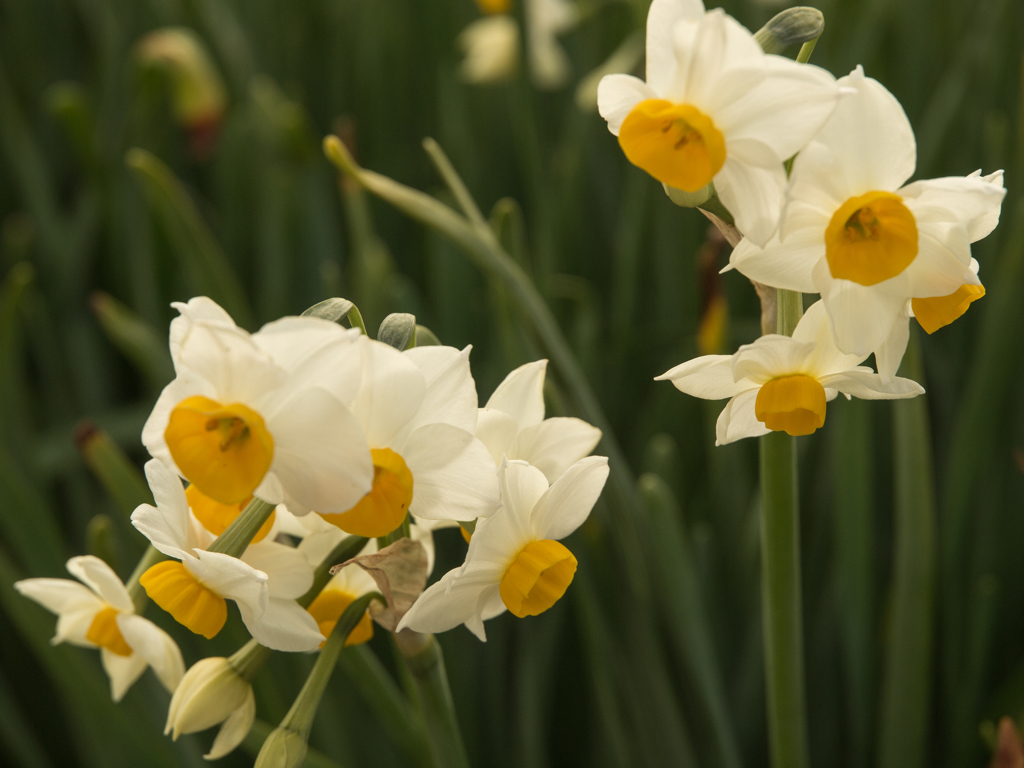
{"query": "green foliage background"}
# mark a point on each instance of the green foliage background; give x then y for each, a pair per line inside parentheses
(655, 656)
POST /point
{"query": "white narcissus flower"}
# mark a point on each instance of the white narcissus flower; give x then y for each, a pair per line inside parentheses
(782, 383)
(545, 20)
(263, 414)
(715, 107)
(491, 45)
(851, 232)
(101, 615)
(515, 560)
(194, 586)
(213, 692)
(512, 424)
(418, 412)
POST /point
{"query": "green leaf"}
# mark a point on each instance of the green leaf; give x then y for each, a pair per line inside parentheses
(135, 339)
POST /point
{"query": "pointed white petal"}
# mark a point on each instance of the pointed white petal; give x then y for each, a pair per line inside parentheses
(943, 261)
(862, 316)
(889, 356)
(971, 201)
(708, 377)
(816, 328)
(617, 95)
(123, 671)
(453, 474)
(865, 384)
(283, 626)
(498, 539)
(450, 396)
(785, 265)
(322, 353)
(155, 646)
(521, 394)
(238, 370)
(230, 578)
(555, 444)
(391, 393)
(771, 356)
(73, 626)
(738, 421)
(102, 580)
(60, 596)
(754, 197)
(235, 729)
(289, 573)
(450, 602)
(717, 60)
(198, 309)
(662, 18)
(496, 430)
(166, 525)
(567, 503)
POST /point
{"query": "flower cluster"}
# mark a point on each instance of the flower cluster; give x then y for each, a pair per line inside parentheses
(315, 436)
(718, 116)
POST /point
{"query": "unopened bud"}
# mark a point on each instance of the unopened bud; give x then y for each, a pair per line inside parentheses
(793, 26)
(209, 693)
(284, 748)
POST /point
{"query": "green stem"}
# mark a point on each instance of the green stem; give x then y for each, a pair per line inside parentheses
(248, 660)
(401, 532)
(780, 600)
(789, 308)
(906, 690)
(348, 548)
(240, 533)
(425, 663)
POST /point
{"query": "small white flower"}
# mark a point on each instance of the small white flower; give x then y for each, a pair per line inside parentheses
(512, 424)
(715, 107)
(263, 414)
(545, 20)
(194, 586)
(213, 692)
(101, 615)
(782, 383)
(515, 560)
(851, 232)
(491, 45)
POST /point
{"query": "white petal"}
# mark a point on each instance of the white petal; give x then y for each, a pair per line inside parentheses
(771, 356)
(496, 430)
(229, 359)
(187, 384)
(498, 539)
(318, 545)
(983, 225)
(662, 18)
(326, 354)
(617, 95)
(321, 458)
(448, 603)
(289, 573)
(155, 646)
(871, 137)
(102, 580)
(450, 396)
(60, 596)
(753, 195)
(167, 525)
(961, 199)
(868, 385)
(555, 444)
(943, 261)
(738, 419)
(235, 729)
(785, 265)
(353, 580)
(283, 626)
(73, 626)
(567, 503)
(230, 578)
(123, 671)
(453, 474)
(816, 328)
(708, 377)
(198, 309)
(391, 394)
(521, 394)
(424, 534)
(862, 316)
(889, 356)
(717, 60)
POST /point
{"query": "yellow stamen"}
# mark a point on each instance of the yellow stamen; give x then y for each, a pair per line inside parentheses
(216, 517)
(936, 312)
(225, 450)
(104, 632)
(537, 578)
(676, 143)
(465, 534)
(383, 509)
(494, 6)
(173, 588)
(871, 238)
(791, 404)
(327, 609)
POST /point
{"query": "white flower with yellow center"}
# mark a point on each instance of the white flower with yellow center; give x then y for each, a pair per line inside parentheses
(418, 412)
(263, 414)
(781, 383)
(195, 585)
(347, 585)
(851, 232)
(515, 560)
(512, 424)
(101, 615)
(715, 107)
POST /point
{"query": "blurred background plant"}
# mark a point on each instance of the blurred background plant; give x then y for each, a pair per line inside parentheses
(152, 150)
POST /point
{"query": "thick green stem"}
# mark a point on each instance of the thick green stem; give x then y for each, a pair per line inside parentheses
(425, 663)
(240, 533)
(780, 601)
(789, 308)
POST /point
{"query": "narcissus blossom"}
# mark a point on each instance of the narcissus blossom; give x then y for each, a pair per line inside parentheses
(212, 692)
(418, 413)
(101, 615)
(715, 107)
(512, 424)
(195, 585)
(782, 383)
(851, 232)
(263, 414)
(515, 561)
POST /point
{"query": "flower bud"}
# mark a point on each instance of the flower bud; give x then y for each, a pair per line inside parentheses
(209, 693)
(284, 748)
(792, 26)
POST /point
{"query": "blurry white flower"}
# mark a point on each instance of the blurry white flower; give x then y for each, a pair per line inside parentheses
(868, 245)
(512, 424)
(213, 692)
(545, 20)
(491, 45)
(715, 107)
(194, 586)
(781, 383)
(101, 615)
(515, 560)
(263, 414)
